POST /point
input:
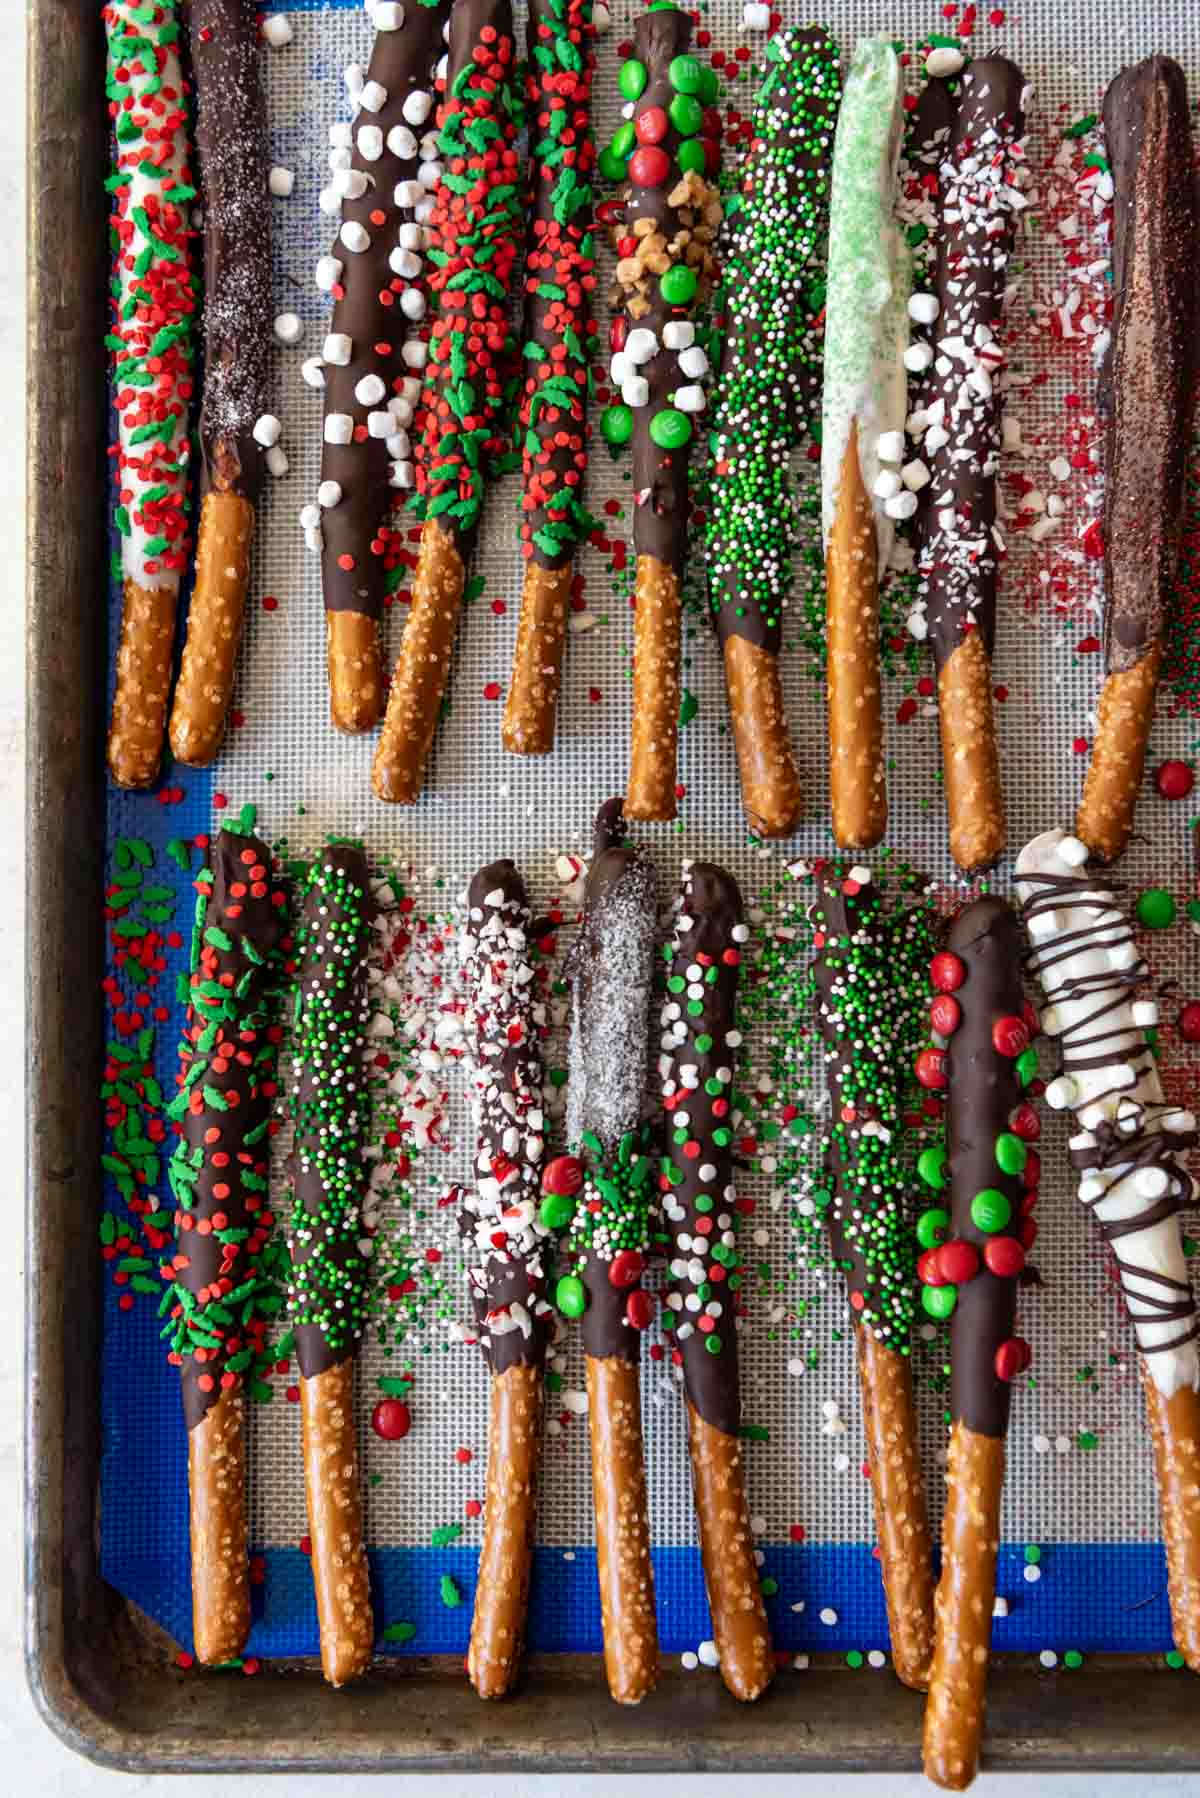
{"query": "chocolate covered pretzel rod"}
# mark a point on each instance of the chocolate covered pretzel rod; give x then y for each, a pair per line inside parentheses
(611, 970)
(764, 400)
(862, 428)
(870, 969)
(231, 143)
(664, 237)
(560, 344)
(957, 426)
(220, 1176)
(475, 232)
(1147, 395)
(973, 1256)
(506, 1244)
(155, 303)
(699, 1044)
(331, 1108)
(1129, 1150)
(385, 168)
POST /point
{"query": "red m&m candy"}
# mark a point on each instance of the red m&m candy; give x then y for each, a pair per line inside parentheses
(947, 972)
(625, 1268)
(563, 1175)
(1004, 1256)
(649, 166)
(1012, 1358)
(1031, 1173)
(945, 1014)
(928, 1271)
(1189, 1022)
(652, 125)
(1025, 1123)
(1010, 1036)
(391, 1419)
(931, 1069)
(1028, 1231)
(957, 1262)
(1174, 780)
(639, 1309)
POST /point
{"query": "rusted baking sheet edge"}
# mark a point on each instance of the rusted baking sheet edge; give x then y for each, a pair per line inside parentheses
(100, 1681)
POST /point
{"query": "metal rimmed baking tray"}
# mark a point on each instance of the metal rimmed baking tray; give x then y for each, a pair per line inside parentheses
(102, 1676)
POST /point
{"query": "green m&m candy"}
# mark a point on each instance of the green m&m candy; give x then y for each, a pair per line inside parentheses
(1155, 908)
(713, 1343)
(685, 76)
(623, 140)
(939, 1301)
(709, 86)
(686, 114)
(616, 424)
(1011, 1153)
(690, 155)
(632, 79)
(611, 166)
(570, 1297)
(671, 430)
(1027, 1065)
(931, 1166)
(990, 1210)
(678, 285)
(933, 1227)
(557, 1210)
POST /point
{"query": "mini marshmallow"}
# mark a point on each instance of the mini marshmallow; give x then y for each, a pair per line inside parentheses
(339, 427)
(341, 135)
(890, 446)
(429, 174)
(693, 362)
(369, 391)
(400, 474)
(354, 236)
(424, 210)
(312, 372)
(901, 505)
(407, 194)
(917, 625)
(410, 386)
(417, 106)
(412, 304)
(329, 494)
(640, 346)
(690, 399)
(379, 425)
(635, 391)
(277, 462)
(266, 430)
(387, 15)
(944, 60)
(936, 437)
(917, 358)
(370, 143)
(915, 475)
(887, 482)
(430, 146)
(678, 334)
(314, 541)
(310, 517)
(1073, 852)
(288, 327)
(923, 308)
(413, 354)
(281, 181)
(330, 201)
(620, 368)
(338, 349)
(756, 17)
(350, 184)
(277, 30)
(402, 143)
(601, 18)
(400, 409)
(399, 447)
(411, 237)
(373, 97)
(403, 262)
(353, 75)
(339, 159)
(1145, 1014)
(329, 272)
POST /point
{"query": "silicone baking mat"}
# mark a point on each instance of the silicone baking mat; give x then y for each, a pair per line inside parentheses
(1081, 1568)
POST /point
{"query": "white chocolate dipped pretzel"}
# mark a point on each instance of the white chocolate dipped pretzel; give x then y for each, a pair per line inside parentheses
(1130, 1142)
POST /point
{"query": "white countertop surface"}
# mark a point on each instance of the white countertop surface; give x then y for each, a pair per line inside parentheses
(33, 1758)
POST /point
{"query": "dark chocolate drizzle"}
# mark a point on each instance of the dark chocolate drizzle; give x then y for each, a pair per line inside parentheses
(403, 62)
(983, 1092)
(611, 971)
(231, 145)
(331, 1107)
(958, 578)
(710, 911)
(228, 1057)
(1147, 386)
(505, 1022)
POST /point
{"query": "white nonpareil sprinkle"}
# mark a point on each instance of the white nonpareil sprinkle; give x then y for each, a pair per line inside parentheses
(277, 30)
(1048, 1658)
(288, 327)
(689, 1661)
(267, 430)
(829, 1616)
(1032, 1575)
(281, 181)
(876, 1658)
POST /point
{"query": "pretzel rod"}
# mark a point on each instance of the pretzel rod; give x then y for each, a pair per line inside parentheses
(470, 373)
(696, 1069)
(664, 227)
(231, 145)
(327, 1296)
(973, 1256)
(385, 169)
(764, 401)
(151, 338)
(862, 428)
(506, 1243)
(870, 977)
(1148, 388)
(956, 425)
(1129, 1149)
(611, 973)
(560, 344)
(219, 1175)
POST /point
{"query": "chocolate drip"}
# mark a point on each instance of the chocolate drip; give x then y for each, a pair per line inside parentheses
(332, 1109)
(220, 1172)
(984, 1091)
(699, 1040)
(505, 1022)
(978, 210)
(1148, 384)
(611, 974)
(353, 575)
(231, 144)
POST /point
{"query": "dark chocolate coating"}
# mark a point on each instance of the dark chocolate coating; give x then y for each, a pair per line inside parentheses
(1148, 383)
(236, 1063)
(659, 476)
(970, 282)
(231, 145)
(338, 983)
(712, 901)
(402, 62)
(509, 1278)
(983, 1093)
